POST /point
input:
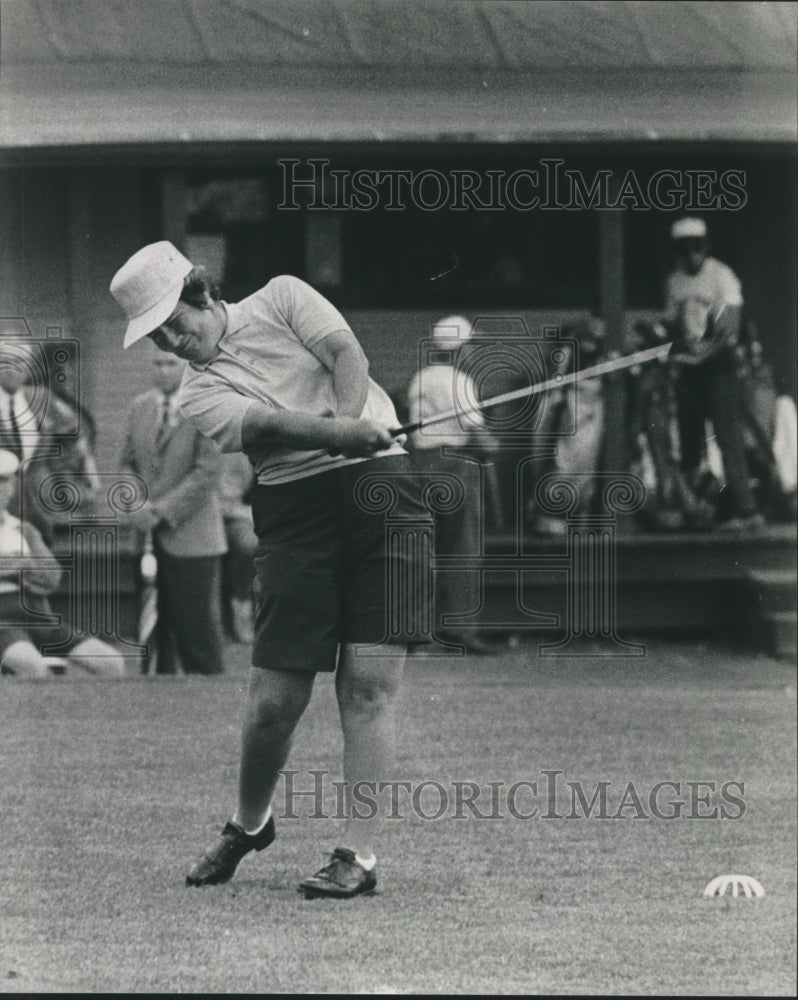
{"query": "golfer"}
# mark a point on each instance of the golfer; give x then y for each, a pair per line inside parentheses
(281, 377)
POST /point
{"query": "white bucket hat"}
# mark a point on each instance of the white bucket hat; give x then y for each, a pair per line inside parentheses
(148, 287)
(689, 227)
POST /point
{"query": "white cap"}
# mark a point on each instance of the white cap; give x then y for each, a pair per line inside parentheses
(9, 463)
(452, 328)
(148, 287)
(689, 228)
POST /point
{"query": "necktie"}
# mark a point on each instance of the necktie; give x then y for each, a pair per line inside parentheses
(163, 427)
(15, 444)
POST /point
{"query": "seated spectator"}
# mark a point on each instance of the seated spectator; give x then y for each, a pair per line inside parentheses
(238, 567)
(24, 586)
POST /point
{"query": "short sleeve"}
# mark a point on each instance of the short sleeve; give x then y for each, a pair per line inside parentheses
(306, 311)
(729, 289)
(217, 409)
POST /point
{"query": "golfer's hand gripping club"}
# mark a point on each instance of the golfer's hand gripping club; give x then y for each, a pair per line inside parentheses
(360, 438)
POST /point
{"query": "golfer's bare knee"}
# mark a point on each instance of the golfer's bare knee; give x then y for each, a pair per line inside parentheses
(367, 697)
(277, 699)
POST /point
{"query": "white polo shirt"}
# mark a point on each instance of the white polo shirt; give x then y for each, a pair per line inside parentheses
(438, 389)
(696, 295)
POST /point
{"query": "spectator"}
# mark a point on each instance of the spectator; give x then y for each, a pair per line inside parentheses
(183, 513)
(19, 424)
(785, 439)
(575, 417)
(65, 425)
(704, 299)
(33, 418)
(438, 389)
(769, 433)
(24, 586)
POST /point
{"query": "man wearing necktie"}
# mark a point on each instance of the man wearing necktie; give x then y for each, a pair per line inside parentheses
(19, 430)
(19, 424)
(15, 438)
(181, 468)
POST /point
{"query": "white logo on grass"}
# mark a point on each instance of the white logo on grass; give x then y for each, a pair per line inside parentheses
(719, 886)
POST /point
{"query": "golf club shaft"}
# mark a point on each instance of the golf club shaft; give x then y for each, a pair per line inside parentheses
(558, 382)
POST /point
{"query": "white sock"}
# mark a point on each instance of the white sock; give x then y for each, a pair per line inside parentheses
(367, 863)
(253, 833)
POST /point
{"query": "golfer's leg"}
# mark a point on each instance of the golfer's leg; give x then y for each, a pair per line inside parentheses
(275, 703)
(367, 688)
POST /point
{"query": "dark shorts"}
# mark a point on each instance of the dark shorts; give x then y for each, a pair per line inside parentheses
(337, 562)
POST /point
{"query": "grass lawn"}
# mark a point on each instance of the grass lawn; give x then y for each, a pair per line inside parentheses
(113, 788)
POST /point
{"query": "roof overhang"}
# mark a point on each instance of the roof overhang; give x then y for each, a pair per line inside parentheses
(66, 106)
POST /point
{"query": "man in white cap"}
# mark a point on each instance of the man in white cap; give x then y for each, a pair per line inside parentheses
(281, 376)
(704, 302)
(439, 388)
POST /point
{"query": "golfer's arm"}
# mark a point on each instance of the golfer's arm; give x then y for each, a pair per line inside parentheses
(342, 355)
(264, 428)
